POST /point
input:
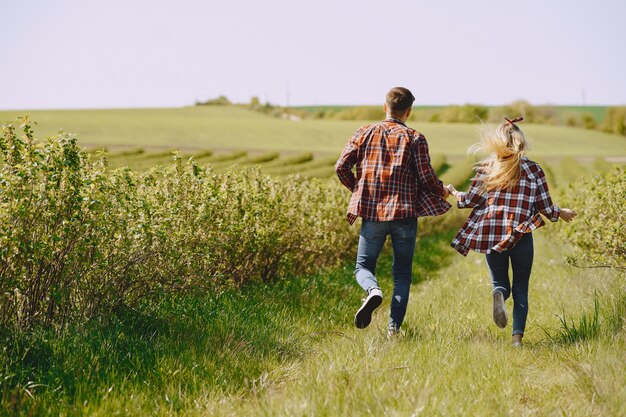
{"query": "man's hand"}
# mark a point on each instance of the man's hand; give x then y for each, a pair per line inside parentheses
(446, 192)
(567, 215)
(451, 189)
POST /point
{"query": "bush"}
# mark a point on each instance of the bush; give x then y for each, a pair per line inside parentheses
(598, 233)
(615, 120)
(531, 114)
(78, 240)
(469, 113)
(360, 113)
(219, 101)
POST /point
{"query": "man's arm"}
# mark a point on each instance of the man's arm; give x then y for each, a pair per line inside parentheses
(346, 161)
(426, 175)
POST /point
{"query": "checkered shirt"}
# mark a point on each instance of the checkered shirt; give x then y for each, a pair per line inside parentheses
(501, 217)
(394, 179)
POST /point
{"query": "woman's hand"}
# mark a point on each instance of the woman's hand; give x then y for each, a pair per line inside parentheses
(567, 215)
(451, 189)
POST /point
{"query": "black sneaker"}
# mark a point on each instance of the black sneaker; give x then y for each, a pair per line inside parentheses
(363, 317)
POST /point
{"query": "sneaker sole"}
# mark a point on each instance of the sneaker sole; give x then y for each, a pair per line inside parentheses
(363, 317)
(499, 310)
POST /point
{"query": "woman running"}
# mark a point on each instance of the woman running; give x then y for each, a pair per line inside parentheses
(508, 193)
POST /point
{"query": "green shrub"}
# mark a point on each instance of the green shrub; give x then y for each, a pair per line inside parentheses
(469, 113)
(78, 240)
(531, 114)
(598, 233)
(219, 101)
(615, 121)
(360, 113)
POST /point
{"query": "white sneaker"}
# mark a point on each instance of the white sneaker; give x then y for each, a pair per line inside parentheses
(363, 317)
(394, 332)
(499, 310)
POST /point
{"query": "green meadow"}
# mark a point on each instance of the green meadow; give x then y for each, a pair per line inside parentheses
(224, 128)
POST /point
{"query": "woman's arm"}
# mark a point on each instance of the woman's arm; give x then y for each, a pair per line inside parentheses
(470, 199)
(544, 201)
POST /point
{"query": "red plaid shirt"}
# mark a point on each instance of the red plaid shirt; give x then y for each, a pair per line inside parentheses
(394, 179)
(501, 217)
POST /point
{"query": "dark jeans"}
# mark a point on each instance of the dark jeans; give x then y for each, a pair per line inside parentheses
(371, 240)
(521, 257)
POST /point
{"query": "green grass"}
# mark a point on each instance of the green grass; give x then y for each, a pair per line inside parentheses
(453, 360)
(219, 127)
(290, 348)
(597, 112)
(191, 345)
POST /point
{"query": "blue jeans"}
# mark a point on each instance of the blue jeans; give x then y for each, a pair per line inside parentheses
(371, 240)
(521, 257)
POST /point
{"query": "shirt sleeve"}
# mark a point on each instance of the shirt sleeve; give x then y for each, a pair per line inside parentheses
(426, 175)
(346, 161)
(543, 201)
(473, 197)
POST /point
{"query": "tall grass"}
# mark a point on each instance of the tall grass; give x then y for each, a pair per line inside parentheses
(588, 326)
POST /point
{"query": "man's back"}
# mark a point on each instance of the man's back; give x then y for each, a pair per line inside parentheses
(393, 173)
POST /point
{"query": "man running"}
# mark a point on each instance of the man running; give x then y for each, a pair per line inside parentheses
(394, 185)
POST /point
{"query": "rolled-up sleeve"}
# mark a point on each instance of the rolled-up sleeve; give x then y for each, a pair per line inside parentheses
(473, 197)
(543, 200)
(346, 161)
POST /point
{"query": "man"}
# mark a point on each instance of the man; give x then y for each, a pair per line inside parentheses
(394, 185)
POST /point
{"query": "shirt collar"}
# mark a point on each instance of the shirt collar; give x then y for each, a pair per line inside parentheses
(394, 120)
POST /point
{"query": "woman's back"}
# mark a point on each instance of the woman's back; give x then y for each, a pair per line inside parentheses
(501, 216)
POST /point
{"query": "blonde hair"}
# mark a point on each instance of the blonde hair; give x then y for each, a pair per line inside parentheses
(506, 144)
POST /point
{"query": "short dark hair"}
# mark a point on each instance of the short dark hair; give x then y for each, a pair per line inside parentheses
(399, 100)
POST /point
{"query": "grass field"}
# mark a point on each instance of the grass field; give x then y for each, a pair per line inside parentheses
(230, 128)
(290, 349)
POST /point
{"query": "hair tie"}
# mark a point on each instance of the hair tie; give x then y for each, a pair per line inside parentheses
(512, 122)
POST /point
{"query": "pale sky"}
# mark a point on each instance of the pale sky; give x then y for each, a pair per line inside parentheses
(153, 53)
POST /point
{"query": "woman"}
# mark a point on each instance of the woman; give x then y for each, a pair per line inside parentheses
(507, 194)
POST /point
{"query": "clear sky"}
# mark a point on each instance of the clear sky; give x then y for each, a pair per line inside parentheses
(154, 53)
